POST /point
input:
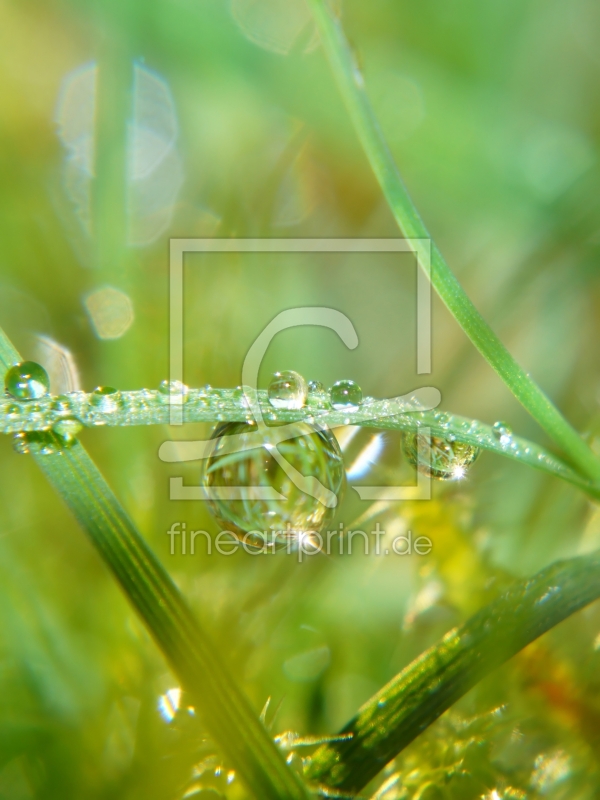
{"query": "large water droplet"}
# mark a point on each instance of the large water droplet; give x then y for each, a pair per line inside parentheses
(503, 432)
(346, 396)
(287, 390)
(27, 381)
(439, 458)
(256, 519)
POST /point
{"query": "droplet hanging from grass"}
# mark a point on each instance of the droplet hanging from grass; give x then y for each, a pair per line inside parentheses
(287, 390)
(346, 396)
(255, 498)
(439, 457)
(27, 381)
(67, 428)
(41, 443)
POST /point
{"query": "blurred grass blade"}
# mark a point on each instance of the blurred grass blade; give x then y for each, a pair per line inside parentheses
(351, 85)
(416, 697)
(229, 718)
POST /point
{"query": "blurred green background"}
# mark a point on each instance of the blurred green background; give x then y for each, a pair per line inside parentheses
(123, 124)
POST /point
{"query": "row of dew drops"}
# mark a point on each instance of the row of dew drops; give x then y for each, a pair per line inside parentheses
(442, 458)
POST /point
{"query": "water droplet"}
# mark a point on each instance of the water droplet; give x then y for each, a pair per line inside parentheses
(239, 395)
(502, 432)
(105, 399)
(174, 392)
(346, 396)
(254, 497)
(318, 396)
(13, 412)
(38, 442)
(437, 457)
(27, 381)
(287, 390)
(67, 428)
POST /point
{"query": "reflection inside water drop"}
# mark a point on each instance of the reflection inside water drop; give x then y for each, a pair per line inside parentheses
(254, 498)
(287, 390)
(438, 458)
(27, 381)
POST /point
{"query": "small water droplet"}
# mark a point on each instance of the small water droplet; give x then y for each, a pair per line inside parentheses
(68, 428)
(443, 419)
(287, 390)
(39, 442)
(292, 512)
(439, 457)
(13, 412)
(318, 397)
(346, 396)
(27, 381)
(105, 399)
(174, 392)
(503, 433)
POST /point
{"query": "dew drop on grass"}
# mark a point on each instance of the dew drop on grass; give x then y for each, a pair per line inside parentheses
(502, 432)
(39, 442)
(172, 389)
(27, 381)
(287, 390)
(318, 396)
(68, 428)
(105, 399)
(346, 396)
(439, 457)
(238, 483)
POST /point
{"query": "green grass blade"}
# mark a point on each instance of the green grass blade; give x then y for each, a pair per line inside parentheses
(520, 383)
(225, 711)
(416, 697)
(146, 408)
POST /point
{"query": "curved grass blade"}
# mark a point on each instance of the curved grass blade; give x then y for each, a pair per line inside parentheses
(415, 698)
(228, 716)
(524, 388)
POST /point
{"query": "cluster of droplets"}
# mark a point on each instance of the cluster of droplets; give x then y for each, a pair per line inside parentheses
(28, 410)
(287, 489)
(289, 391)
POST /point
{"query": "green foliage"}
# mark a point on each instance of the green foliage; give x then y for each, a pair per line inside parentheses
(486, 111)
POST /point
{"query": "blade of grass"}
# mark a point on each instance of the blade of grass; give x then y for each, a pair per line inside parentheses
(228, 716)
(529, 394)
(415, 698)
(225, 404)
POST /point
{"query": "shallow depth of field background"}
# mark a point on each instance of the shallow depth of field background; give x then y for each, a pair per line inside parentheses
(123, 124)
